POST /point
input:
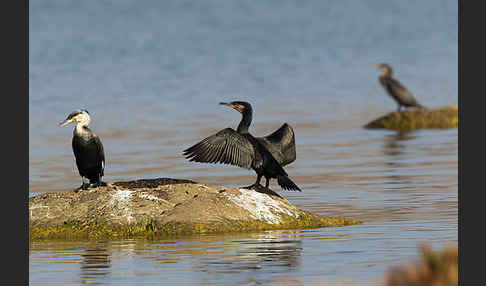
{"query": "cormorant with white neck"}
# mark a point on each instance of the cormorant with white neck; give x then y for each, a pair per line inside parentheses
(240, 148)
(87, 148)
(395, 89)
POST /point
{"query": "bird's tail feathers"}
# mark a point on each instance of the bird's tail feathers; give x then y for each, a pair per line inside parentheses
(286, 183)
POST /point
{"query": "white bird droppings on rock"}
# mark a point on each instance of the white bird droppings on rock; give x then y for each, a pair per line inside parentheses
(149, 197)
(263, 207)
(121, 198)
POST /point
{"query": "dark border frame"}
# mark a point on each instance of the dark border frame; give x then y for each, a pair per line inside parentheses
(15, 119)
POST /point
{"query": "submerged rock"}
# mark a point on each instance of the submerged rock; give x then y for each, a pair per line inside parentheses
(410, 119)
(164, 207)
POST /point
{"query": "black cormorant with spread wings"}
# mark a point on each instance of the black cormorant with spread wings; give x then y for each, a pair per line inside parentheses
(87, 148)
(265, 155)
(395, 89)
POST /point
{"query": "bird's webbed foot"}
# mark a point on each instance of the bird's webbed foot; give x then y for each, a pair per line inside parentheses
(253, 187)
(84, 186)
(97, 184)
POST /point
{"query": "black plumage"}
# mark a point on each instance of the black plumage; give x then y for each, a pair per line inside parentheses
(395, 89)
(240, 148)
(87, 148)
(281, 144)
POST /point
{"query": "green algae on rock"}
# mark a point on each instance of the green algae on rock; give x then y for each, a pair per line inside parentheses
(163, 207)
(410, 119)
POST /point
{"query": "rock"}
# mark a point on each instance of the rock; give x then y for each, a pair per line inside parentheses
(436, 267)
(415, 118)
(164, 206)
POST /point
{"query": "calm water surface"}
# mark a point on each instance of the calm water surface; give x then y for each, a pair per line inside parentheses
(151, 75)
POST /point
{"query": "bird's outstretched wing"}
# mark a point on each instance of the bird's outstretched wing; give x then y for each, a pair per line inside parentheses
(226, 147)
(281, 144)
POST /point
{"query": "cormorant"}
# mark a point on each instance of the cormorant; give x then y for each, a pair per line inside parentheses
(240, 148)
(395, 89)
(87, 148)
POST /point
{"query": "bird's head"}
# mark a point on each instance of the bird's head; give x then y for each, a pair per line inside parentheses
(385, 68)
(79, 115)
(240, 106)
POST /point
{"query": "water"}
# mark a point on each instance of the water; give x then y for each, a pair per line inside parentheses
(152, 74)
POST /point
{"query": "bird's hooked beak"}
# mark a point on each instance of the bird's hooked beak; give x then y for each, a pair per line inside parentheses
(377, 66)
(67, 121)
(238, 107)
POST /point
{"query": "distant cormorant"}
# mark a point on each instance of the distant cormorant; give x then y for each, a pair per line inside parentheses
(87, 148)
(240, 148)
(395, 89)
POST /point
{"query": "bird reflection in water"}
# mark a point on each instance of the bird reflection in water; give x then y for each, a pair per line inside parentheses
(269, 251)
(394, 151)
(95, 264)
(394, 143)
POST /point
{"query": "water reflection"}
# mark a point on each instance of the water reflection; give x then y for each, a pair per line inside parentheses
(237, 259)
(210, 257)
(394, 145)
(253, 259)
(95, 264)
(255, 254)
(394, 154)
